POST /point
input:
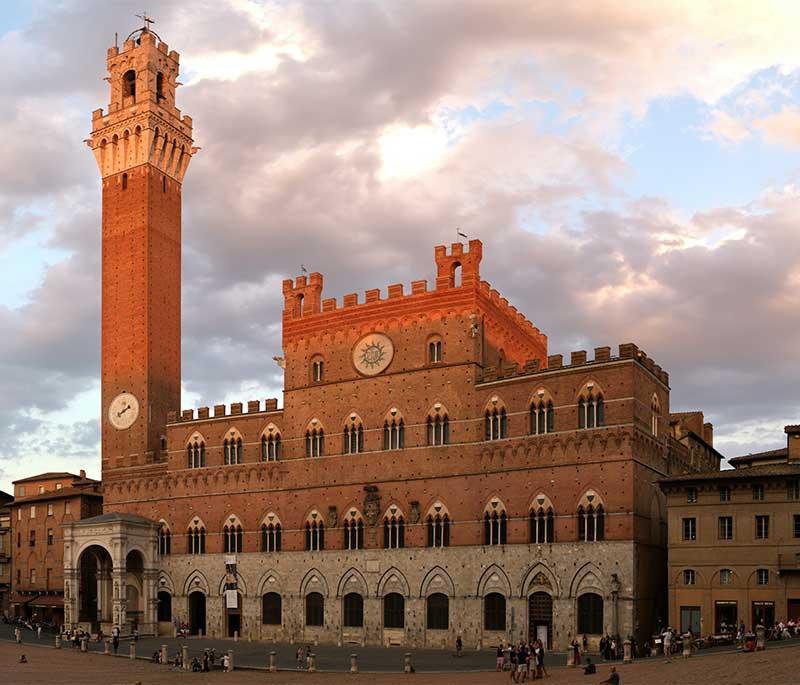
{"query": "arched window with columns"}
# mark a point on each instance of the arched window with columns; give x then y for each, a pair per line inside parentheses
(271, 443)
(542, 521)
(438, 425)
(591, 518)
(196, 452)
(196, 537)
(591, 406)
(232, 447)
(233, 536)
(164, 538)
(394, 528)
(435, 349)
(438, 525)
(655, 414)
(315, 532)
(542, 413)
(495, 420)
(353, 435)
(495, 523)
(271, 533)
(394, 430)
(315, 439)
(353, 527)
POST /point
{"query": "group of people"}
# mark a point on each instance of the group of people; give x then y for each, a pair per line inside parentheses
(302, 657)
(526, 660)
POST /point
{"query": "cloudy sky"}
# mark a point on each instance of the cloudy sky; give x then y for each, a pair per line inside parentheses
(632, 169)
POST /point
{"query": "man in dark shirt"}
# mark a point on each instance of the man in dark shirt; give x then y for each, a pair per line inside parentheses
(613, 678)
(590, 668)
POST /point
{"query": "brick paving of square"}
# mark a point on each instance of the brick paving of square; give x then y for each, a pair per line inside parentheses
(48, 666)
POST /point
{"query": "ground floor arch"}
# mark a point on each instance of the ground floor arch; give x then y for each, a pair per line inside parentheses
(94, 587)
(540, 617)
(197, 613)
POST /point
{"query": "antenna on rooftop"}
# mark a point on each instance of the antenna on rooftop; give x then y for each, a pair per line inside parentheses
(459, 234)
(146, 19)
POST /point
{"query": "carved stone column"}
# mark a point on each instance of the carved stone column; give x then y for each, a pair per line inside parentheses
(120, 598)
(150, 600)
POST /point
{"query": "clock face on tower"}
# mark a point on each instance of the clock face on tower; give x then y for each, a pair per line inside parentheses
(123, 410)
(372, 354)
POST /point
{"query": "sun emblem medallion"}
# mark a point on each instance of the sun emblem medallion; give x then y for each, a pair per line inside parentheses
(372, 354)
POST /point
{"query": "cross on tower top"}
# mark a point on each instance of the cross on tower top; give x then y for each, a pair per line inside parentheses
(146, 19)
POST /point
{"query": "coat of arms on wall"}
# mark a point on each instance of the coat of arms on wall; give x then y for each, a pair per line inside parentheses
(372, 504)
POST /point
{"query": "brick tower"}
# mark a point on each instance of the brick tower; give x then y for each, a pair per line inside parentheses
(143, 147)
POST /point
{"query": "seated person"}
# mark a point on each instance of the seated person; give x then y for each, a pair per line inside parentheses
(590, 668)
(613, 678)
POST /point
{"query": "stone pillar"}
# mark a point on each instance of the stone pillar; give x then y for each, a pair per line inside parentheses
(132, 650)
(150, 601)
(236, 636)
(164, 654)
(58, 642)
(107, 647)
(105, 600)
(312, 662)
(570, 657)
(185, 657)
(273, 662)
(626, 652)
(407, 667)
(354, 663)
(120, 600)
(230, 659)
(71, 597)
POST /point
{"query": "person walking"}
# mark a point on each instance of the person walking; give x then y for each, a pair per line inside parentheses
(668, 643)
(226, 663)
(298, 659)
(459, 646)
(39, 631)
(17, 635)
(500, 659)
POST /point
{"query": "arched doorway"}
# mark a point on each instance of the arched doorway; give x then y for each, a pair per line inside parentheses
(134, 588)
(197, 612)
(233, 616)
(164, 607)
(540, 618)
(95, 590)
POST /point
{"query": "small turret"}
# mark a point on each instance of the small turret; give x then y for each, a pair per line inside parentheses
(447, 265)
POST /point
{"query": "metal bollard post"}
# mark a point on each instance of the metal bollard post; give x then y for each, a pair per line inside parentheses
(185, 657)
(58, 642)
(354, 663)
(230, 659)
(407, 667)
(133, 650)
(626, 652)
(273, 659)
(107, 647)
(312, 663)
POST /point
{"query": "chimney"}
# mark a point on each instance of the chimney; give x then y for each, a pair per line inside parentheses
(708, 433)
(793, 442)
(83, 474)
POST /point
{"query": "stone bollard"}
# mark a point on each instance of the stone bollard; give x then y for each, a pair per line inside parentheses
(133, 650)
(626, 652)
(273, 662)
(687, 646)
(185, 657)
(312, 663)
(570, 657)
(107, 647)
(761, 635)
(84, 645)
(316, 640)
(354, 663)
(58, 642)
(230, 659)
(164, 654)
(653, 650)
(407, 667)
(200, 632)
(236, 636)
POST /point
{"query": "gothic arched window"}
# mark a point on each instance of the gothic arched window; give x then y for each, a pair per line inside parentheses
(129, 84)
(394, 530)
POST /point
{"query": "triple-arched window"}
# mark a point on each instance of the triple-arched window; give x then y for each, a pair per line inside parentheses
(196, 453)
(438, 526)
(232, 536)
(271, 534)
(353, 530)
(315, 533)
(394, 529)
(495, 523)
(394, 431)
(542, 415)
(271, 446)
(196, 537)
(438, 427)
(591, 408)
(541, 521)
(164, 539)
(591, 518)
(232, 448)
(495, 423)
(315, 440)
(353, 436)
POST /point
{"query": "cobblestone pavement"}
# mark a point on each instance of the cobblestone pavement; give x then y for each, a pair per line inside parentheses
(47, 666)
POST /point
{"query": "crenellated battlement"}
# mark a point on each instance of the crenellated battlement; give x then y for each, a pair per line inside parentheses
(577, 359)
(270, 405)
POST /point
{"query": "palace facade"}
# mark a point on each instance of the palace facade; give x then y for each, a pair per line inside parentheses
(431, 472)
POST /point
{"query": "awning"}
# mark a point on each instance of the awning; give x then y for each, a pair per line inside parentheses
(50, 601)
(18, 598)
